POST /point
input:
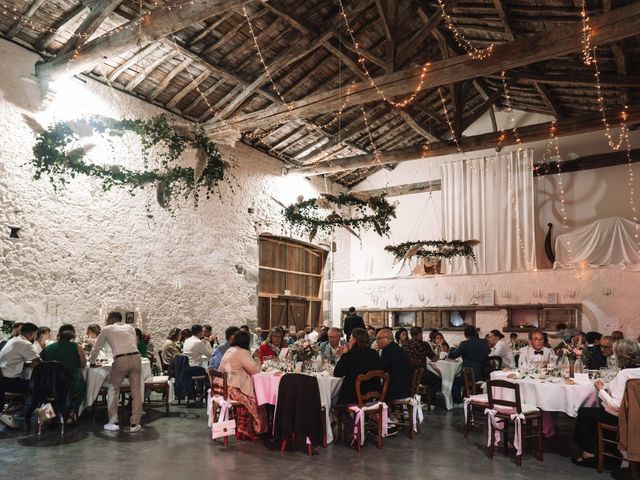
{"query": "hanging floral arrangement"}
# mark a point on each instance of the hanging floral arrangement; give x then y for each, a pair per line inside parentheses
(366, 212)
(54, 156)
(433, 249)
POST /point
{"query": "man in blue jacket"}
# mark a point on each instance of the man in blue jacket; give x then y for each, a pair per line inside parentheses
(474, 352)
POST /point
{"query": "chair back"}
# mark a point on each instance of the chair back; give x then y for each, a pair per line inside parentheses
(377, 393)
(163, 365)
(218, 382)
(492, 364)
(415, 381)
(50, 382)
(510, 389)
(469, 381)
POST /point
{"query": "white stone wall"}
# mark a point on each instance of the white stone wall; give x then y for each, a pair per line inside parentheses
(82, 251)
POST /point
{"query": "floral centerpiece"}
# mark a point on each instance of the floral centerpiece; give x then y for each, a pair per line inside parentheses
(573, 352)
(304, 351)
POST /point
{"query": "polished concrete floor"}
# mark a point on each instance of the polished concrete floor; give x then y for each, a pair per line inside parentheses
(180, 446)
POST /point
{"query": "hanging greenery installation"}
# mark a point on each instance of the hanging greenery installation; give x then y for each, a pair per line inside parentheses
(367, 212)
(435, 249)
(54, 156)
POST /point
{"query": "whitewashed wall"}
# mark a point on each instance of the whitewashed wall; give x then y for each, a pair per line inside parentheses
(82, 251)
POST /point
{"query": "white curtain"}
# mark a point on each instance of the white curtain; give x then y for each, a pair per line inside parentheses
(491, 199)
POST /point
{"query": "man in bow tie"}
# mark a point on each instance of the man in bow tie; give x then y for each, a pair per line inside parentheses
(536, 352)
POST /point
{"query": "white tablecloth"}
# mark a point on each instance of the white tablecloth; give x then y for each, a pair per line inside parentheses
(96, 377)
(447, 370)
(551, 396)
(266, 388)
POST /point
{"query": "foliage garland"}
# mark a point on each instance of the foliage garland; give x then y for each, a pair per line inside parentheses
(433, 249)
(373, 212)
(53, 157)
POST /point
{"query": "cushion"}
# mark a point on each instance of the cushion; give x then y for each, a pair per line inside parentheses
(526, 409)
(479, 399)
(157, 379)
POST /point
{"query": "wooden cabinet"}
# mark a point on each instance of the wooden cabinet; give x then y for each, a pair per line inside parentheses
(290, 283)
(520, 318)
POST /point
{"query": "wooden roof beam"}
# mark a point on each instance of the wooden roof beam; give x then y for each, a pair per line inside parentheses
(480, 111)
(209, 29)
(154, 26)
(530, 133)
(142, 74)
(212, 47)
(608, 27)
(31, 10)
(69, 16)
(575, 78)
(548, 100)
(99, 10)
(502, 13)
(205, 94)
(131, 61)
(170, 76)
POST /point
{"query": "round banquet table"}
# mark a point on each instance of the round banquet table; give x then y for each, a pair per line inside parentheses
(551, 395)
(266, 386)
(95, 378)
(447, 370)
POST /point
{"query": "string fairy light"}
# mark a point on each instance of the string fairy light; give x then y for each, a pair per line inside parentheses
(361, 60)
(512, 118)
(472, 50)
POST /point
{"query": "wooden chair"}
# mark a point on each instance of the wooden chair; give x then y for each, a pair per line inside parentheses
(473, 399)
(164, 366)
(491, 364)
(403, 409)
(244, 421)
(376, 396)
(506, 408)
(158, 384)
(194, 387)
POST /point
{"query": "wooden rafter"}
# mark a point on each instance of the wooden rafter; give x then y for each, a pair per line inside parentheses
(607, 27)
(548, 100)
(157, 24)
(194, 83)
(132, 61)
(99, 10)
(147, 69)
(479, 111)
(31, 10)
(170, 76)
(196, 37)
(68, 17)
(205, 94)
(530, 133)
(502, 13)
(212, 47)
(573, 79)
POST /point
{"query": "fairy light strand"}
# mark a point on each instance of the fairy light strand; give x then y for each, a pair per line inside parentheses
(472, 50)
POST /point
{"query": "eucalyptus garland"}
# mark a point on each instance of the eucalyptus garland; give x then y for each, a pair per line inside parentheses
(369, 212)
(436, 249)
(53, 157)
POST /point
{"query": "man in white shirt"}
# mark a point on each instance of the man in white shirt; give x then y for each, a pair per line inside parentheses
(121, 337)
(16, 353)
(199, 351)
(500, 348)
(314, 334)
(536, 352)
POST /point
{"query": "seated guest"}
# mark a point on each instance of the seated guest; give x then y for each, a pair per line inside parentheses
(617, 335)
(17, 352)
(42, 338)
(396, 364)
(238, 365)
(15, 332)
(513, 341)
(417, 352)
(170, 349)
(500, 348)
(92, 333)
(301, 336)
(627, 353)
(255, 337)
(599, 354)
(71, 354)
(184, 335)
(209, 336)
(271, 347)
(219, 352)
(324, 335)
(140, 343)
(474, 352)
(401, 336)
(358, 360)
(313, 334)
(198, 350)
(371, 331)
(536, 352)
(333, 348)
(593, 339)
(440, 345)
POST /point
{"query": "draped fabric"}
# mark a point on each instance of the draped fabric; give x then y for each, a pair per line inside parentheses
(608, 241)
(491, 199)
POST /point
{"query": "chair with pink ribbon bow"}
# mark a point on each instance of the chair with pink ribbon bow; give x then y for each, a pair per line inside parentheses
(505, 408)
